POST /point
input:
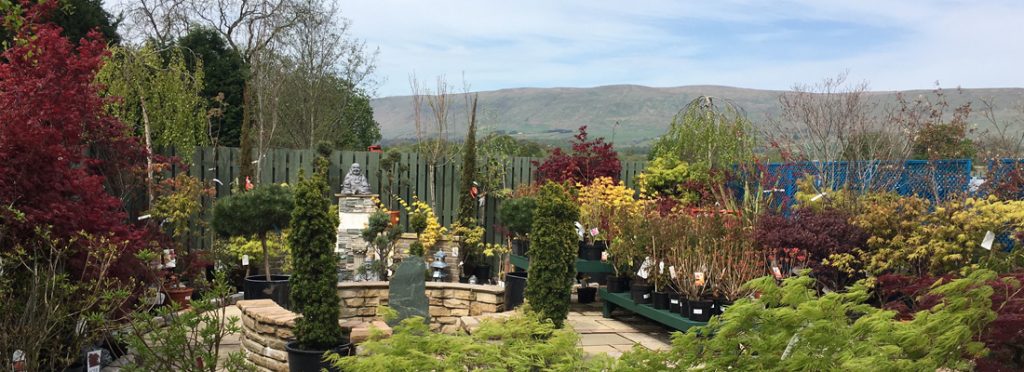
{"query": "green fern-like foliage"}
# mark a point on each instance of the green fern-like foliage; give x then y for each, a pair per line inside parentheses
(552, 253)
(314, 280)
(790, 328)
(524, 342)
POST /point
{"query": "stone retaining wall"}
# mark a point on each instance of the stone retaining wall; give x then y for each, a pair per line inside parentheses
(448, 301)
(266, 327)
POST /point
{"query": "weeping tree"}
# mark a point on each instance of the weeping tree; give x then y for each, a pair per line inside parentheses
(708, 131)
(265, 209)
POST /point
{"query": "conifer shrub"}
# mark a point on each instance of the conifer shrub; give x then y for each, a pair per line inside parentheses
(265, 209)
(553, 253)
(314, 280)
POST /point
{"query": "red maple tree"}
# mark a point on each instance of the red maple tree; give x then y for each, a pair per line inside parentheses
(588, 161)
(57, 144)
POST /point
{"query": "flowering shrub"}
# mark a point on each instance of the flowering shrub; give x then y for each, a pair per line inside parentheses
(588, 161)
(424, 222)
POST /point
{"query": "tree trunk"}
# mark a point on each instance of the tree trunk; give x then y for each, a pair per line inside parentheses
(266, 256)
(149, 150)
(245, 168)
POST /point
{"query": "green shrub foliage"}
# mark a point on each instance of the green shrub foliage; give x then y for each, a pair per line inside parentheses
(264, 209)
(523, 342)
(790, 328)
(517, 214)
(552, 253)
(314, 279)
(467, 203)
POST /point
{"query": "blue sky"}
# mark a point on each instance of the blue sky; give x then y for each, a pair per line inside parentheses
(893, 45)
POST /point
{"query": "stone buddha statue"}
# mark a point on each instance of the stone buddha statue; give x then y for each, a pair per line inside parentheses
(355, 182)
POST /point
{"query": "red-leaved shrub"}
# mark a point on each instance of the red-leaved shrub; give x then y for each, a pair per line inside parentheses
(588, 161)
(810, 237)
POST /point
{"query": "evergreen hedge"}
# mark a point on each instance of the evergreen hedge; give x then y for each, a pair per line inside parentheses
(552, 253)
(314, 279)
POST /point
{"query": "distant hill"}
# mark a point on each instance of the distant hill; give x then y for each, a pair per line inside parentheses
(641, 113)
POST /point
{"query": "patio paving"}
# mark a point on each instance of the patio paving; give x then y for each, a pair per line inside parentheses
(618, 334)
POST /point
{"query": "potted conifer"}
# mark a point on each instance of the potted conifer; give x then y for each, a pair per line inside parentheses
(258, 212)
(516, 215)
(314, 282)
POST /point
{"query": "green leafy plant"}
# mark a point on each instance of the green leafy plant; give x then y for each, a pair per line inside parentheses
(177, 340)
(516, 214)
(790, 328)
(553, 254)
(178, 205)
(381, 236)
(523, 342)
(313, 292)
(257, 212)
(390, 167)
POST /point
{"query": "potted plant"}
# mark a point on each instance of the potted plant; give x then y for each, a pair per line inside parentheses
(516, 215)
(314, 292)
(424, 223)
(552, 270)
(626, 249)
(586, 293)
(390, 167)
(258, 212)
(177, 207)
(381, 235)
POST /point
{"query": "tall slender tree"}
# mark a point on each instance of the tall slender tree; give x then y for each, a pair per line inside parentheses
(467, 201)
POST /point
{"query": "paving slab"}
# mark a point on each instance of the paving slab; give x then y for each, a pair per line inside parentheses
(603, 339)
(602, 349)
(652, 342)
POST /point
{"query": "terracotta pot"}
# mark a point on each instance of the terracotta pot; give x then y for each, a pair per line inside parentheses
(180, 296)
(394, 217)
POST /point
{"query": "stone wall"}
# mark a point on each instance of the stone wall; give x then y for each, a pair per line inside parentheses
(353, 215)
(448, 301)
(446, 245)
(267, 327)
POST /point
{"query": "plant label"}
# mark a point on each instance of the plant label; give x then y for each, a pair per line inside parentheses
(604, 256)
(594, 232)
(647, 295)
(777, 272)
(92, 361)
(674, 301)
(245, 260)
(18, 359)
(698, 311)
(990, 238)
(455, 252)
(672, 272)
(819, 196)
(579, 230)
(698, 278)
(661, 267)
(645, 268)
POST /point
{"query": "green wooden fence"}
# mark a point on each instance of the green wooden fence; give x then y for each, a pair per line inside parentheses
(218, 167)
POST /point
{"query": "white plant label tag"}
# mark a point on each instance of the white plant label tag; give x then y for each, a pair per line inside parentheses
(674, 301)
(698, 278)
(672, 272)
(661, 267)
(92, 361)
(698, 311)
(647, 295)
(245, 260)
(645, 268)
(455, 252)
(990, 238)
(777, 272)
(604, 256)
(819, 196)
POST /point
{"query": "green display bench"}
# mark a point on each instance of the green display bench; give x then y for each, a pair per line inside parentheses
(622, 300)
(582, 266)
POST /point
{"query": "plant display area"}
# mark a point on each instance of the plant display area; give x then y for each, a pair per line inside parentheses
(118, 247)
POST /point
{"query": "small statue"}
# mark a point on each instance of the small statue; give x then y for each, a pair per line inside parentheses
(355, 182)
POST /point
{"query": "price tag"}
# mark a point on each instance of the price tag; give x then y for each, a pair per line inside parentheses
(990, 238)
(698, 278)
(604, 256)
(245, 260)
(698, 311)
(647, 295)
(661, 267)
(674, 301)
(594, 232)
(777, 272)
(672, 272)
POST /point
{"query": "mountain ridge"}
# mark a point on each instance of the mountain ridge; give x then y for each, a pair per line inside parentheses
(635, 114)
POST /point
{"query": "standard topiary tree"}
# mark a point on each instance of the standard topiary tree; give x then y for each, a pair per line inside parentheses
(264, 209)
(553, 253)
(314, 279)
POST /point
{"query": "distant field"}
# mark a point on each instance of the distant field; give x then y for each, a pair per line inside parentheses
(632, 114)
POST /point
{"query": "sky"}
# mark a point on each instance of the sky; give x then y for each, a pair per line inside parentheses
(891, 44)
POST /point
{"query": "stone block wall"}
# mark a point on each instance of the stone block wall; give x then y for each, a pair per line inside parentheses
(353, 215)
(448, 301)
(266, 328)
(446, 245)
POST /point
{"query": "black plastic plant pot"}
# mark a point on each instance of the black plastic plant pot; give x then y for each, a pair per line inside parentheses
(673, 302)
(701, 311)
(520, 247)
(684, 307)
(660, 300)
(721, 306)
(515, 289)
(586, 295)
(591, 251)
(640, 292)
(257, 287)
(301, 360)
(581, 248)
(618, 284)
(483, 274)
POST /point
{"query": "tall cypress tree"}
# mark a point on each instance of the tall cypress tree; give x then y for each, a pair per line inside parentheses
(314, 279)
(467, 203)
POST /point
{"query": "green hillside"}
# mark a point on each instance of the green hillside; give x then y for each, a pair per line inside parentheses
(641, 113)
